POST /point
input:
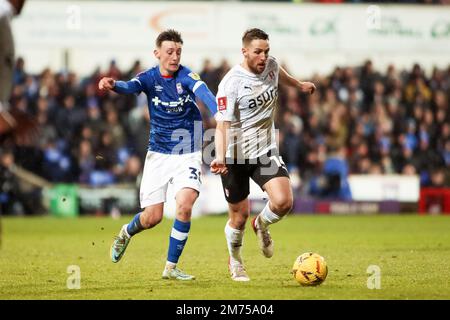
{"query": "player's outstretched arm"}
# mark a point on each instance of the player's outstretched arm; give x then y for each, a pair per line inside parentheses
(218, 165)
(132, 86)
(286, 79)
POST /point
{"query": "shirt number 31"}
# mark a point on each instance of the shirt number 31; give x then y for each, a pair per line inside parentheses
(195, 174)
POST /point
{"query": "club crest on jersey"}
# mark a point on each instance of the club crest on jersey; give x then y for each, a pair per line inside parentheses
(270, 75)
(179, 88)
(194, 76)
(222, 103)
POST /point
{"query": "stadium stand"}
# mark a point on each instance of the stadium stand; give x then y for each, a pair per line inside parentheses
(391, 121)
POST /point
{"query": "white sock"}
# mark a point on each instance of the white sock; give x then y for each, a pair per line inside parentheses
(170, 265)
(268, 217)
(234, 242)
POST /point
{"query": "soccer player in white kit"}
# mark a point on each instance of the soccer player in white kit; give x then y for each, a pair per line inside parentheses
(246, 147)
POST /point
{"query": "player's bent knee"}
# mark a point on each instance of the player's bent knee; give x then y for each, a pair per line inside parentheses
(238, 213)
(185, 207)
(282, 206)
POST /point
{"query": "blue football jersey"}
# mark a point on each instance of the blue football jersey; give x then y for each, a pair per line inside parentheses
(175, 120)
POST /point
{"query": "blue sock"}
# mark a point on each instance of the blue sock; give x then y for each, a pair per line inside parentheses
(177, 240)
(135, 225)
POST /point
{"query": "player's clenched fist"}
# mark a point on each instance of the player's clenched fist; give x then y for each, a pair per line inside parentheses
(308, 87)
(106, 83)
(218, 167)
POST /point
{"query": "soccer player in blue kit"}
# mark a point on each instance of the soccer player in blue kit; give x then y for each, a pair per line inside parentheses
(174, 152)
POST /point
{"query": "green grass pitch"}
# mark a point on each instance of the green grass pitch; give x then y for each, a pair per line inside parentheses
(413, 253)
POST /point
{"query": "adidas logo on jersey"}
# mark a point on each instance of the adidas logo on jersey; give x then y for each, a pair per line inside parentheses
(263, 99)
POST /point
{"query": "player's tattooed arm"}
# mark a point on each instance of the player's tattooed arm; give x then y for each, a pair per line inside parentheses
(286, 79)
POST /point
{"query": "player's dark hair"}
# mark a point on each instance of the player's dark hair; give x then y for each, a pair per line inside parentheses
(168, 35)
(254, 34)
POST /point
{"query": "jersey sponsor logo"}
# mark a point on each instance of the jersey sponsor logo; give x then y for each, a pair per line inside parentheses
(263, 99)
(158, 88)
(194, 76)
(172, 106)
(179, 88)
(222, 103)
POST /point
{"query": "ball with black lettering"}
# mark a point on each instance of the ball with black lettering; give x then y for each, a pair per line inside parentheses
(310, 269)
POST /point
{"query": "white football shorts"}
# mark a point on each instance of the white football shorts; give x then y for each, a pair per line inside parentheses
(183, 171)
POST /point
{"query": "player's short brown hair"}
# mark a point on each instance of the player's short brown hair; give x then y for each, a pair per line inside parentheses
(168, 35)
(254, 34)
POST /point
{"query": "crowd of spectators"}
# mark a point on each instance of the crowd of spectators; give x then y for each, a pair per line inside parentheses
(397, 121)
(378, 121)
(86, 136)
